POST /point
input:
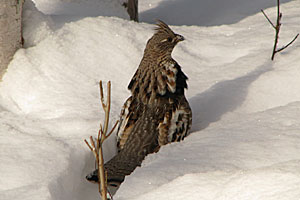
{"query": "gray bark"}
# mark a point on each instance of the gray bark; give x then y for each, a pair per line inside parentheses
(132, 9)
(10, 31)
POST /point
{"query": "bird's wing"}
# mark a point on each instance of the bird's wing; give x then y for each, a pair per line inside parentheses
(128, 117)
(175, 123)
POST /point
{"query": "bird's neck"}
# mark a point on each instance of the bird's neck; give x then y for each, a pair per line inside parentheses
(157, 54)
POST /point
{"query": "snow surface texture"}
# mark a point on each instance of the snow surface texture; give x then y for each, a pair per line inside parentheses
(245, 139)
(201, 12)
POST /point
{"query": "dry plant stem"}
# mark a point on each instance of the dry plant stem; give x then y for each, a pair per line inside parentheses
(277, 30)
(102, 183)
(291, 42)
(268, 19)
(102, 136)
(98, 153)
(106, 107)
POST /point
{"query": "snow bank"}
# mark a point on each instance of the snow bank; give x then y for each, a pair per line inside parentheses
(245, 138)
(252, 156)
(203, 12)
(82, 8)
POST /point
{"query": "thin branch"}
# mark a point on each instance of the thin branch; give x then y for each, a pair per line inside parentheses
(277, 30)
(88, 145)
(101, 129)
(98, 141)
(278, 12)
(268, 18)
(275, 43)
(101, 173)
(92, 143)
(106, 107)
(112, 130)
(101, 94)
(102, 136)
(291, 42)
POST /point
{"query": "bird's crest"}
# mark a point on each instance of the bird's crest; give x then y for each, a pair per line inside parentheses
(162, 27)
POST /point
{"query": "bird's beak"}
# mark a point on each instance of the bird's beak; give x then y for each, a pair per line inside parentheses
(179, 38)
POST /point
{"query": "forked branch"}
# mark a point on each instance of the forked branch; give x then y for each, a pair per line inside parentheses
(102, 136)
(277, 30)
(282, 48)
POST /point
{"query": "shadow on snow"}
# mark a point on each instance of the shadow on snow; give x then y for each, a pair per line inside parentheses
(223, 97)
(205, 12)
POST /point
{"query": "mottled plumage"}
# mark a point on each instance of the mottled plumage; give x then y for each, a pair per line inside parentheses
(157, 111)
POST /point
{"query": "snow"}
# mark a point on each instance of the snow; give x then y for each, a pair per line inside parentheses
(244, 142)
(203, 13)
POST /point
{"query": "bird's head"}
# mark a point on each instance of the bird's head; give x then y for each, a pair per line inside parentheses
(164, 39)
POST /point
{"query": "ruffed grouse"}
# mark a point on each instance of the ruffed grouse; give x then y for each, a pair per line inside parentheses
(157, 111)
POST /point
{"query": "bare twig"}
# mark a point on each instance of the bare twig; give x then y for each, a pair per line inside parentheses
(282, 48)
(267, 18)
(106, 107)
(277, 30)
(87, 143)
(102, 136)
(102, 178)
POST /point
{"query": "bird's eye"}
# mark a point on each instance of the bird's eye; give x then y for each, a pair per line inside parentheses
(169, 39)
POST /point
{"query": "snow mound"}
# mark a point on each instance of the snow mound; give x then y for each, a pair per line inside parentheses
(264, 183)
(203, 12)
(36, 25)
(85, 8)
(68, 82)
(240, 157)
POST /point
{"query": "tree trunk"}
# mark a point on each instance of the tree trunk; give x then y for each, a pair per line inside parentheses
(132, 9)
(10, 31)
